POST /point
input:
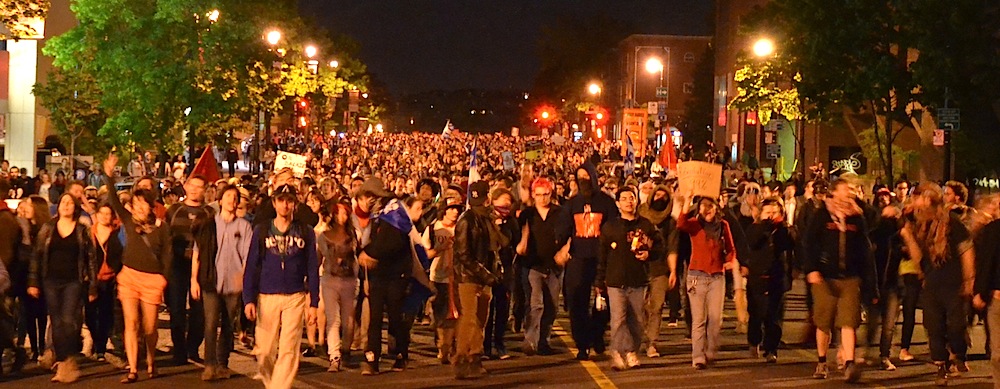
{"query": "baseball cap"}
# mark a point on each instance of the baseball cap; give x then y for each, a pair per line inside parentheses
(478, 192)
(285, 191)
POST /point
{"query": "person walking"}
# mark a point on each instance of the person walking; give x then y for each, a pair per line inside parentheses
(499, 311)
(840, 269)
(280, 287)
(187, 316)
(338, 281)
(440, 241)
(218, 262)
(768, 278)
(627, 243)
(478, 241)
(712, 253)
(662, 269)
(100, 313)
(146, 265)
(63, 265)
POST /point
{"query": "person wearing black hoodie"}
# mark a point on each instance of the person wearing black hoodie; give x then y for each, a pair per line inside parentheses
(768, 278)
(587, 213)
(663, 273)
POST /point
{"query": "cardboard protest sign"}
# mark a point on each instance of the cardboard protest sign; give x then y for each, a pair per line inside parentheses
(699, 178)
(508, 160)
(296, 162)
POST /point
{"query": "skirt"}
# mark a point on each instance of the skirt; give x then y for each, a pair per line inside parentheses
(146, 287)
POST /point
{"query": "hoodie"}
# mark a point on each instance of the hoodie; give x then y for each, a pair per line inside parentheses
(587, 215)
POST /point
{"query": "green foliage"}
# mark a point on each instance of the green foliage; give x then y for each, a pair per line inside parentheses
(13, 14)
(768, 86)
(869, 146)
(73, 100)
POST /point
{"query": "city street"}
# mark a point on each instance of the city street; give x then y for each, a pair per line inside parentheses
(733, 369)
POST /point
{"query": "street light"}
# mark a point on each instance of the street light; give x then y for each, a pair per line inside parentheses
(213, 15)
(654, 65)
(334, 64)
(764, 47)
(594, 89)
(273, 37)
(311, 51)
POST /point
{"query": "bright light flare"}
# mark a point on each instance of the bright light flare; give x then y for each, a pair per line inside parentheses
(764, 47)
(311, 51)
(654, 65)
(594, 88)
(273, 37)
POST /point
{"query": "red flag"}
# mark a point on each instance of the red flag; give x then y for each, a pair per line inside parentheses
(668, 157)
(207, 167)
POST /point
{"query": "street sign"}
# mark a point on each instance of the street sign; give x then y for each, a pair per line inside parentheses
(939, 137)
(661, 112)
(652, 107)
(769, 137)
(662, 92)
(949, 119)
(772, 151)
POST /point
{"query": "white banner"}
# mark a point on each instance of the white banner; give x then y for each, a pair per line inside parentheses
(295, 162)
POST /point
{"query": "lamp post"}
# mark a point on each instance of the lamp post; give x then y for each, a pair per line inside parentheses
(263, 130)
(655, 65)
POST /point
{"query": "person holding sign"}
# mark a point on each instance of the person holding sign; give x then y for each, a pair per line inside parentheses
(712, 253)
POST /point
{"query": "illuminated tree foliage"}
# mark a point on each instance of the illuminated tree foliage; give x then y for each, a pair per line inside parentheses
(13, 14)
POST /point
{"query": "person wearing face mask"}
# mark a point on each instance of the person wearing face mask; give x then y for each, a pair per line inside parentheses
(888, 247)
(587, 213)
(663, 273)
(768, 278)
(496, 322)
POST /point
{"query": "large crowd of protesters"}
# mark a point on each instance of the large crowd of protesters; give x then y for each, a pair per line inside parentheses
(391, 226)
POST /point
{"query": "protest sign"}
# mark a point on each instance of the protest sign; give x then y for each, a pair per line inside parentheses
(295, 162)
(699, 178)
(508, 160)
(533, 150)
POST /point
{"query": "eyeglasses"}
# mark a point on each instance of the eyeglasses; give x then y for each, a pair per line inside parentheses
(543, 194)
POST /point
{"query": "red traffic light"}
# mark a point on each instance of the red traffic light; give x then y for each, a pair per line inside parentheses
(302, 103)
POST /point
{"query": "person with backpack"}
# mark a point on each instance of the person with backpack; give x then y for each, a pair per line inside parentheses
(100, 313)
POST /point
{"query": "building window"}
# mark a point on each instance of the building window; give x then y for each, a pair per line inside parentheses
(689, 57)
(688, 88)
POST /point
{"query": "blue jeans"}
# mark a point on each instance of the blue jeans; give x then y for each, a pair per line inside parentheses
(706, 294)
(541, 312)
(65, 303)
(626, 306)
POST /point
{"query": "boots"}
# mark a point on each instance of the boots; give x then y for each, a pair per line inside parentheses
(67, 371)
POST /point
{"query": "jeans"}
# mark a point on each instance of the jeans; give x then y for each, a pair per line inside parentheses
(945, 315)
(766, 307)
(187, 327)
(339, 295)
(587, 324)
(65, 304)
(475, 302)
(386, 296)
(279, 336)
(100, 316)
(884, 315)
(496, 321)
(7, 327)
(541, 312)
(706, 294)
(32, 322)
(654, 308)
(626, 305)
(677, 299)
(221, 310)
(993, 327)
(911, 295)
(520, 297)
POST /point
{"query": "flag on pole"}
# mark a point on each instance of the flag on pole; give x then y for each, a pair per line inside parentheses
(207, 166)
(629, 156)
(474, 165)
(667, 158)
(448, 127)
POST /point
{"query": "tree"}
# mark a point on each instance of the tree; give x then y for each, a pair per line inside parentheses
(73, 100)
(15, 13)
(698, 117)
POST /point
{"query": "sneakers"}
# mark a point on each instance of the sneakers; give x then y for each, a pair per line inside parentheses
(334, 365)
(754, 352)
(632, 360)
(67, 371)
(208, 374)
(115, 361)
(887, 365)
(651, 352)
(905, 356)
(444, 358)
(822, 371)
(617, 363)
(223, 373)
(958, 367)
(770, 358)
(941, 379)
(700, 366)
(48, 359)
(369, 368)
(672, 323)
(852, 372)
(309, 352)
(582, 355)
(399, 365)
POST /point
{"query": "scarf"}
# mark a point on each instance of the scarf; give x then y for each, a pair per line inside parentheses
(363, 216)
(713, 229)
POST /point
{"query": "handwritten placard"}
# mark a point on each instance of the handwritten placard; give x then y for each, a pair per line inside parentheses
(295, 162)
(699, 178)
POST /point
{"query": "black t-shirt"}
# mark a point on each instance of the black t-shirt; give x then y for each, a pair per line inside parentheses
(183, 219)
(545, 237)
(947, 276)
(63, 257)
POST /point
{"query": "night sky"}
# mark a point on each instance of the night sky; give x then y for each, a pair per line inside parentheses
(421, 45)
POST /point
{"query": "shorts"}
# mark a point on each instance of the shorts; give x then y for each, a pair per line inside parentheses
(137, 285)
(837, 303)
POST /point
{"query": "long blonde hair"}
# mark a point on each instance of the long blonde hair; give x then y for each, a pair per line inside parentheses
(931, 224)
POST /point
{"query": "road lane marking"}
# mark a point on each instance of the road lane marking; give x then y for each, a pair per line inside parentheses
(591, 367)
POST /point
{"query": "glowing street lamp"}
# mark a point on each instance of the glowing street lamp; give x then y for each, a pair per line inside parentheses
(594, 89)
(311, 51)
(213, 15)
(764, 47)
(273, 37)
(334, 64)
(654, 65)
(545, 115)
